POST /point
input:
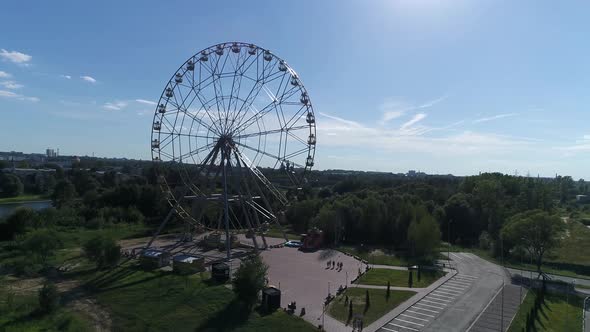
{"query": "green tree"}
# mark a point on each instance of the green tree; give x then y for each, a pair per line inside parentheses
(63, 193)
(249, 280)
(18, 222)
(48, 297)
(424, 235)
(536, 231)
(102, 250)
(10, 185)
(42, 243)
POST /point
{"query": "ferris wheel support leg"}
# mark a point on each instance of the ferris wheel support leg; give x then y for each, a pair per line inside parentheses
(250, 229)
(225, 158)
(168, 216)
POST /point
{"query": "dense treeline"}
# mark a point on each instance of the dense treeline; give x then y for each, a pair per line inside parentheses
(380, 209)
(377, 209)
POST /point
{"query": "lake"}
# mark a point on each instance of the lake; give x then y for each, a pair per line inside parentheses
(6, 209)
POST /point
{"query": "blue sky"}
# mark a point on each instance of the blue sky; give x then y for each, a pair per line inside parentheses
(439, 86)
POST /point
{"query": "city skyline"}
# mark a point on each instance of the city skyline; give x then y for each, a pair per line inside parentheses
(442, 87)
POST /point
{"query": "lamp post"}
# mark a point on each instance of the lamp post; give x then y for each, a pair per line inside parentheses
(449, 238)
(502, 308)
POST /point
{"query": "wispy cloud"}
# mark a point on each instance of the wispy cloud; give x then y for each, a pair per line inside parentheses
(414, 138)
(88, 79)
(4, 74)
(10, 94)
(415, 119)
(68, 77)
(393, 109)
(144, 101)
(115, 106)
(495, 117)
(11, 85)
(15, 57)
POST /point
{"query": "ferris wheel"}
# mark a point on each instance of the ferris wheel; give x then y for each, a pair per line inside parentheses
(233, 128)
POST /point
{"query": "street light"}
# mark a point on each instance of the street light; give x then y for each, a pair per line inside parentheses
(449, 238)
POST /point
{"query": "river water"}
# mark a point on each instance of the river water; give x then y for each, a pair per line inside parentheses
(6, 209)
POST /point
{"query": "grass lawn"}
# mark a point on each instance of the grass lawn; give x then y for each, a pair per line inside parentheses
(157, 301)
(378, 257)
(555, 314)
(399, 278)
(379, 305)
(23, 198)
(274, 231)
(19, 312)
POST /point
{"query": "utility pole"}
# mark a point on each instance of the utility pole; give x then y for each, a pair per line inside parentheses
(449, 238)
(502, 310)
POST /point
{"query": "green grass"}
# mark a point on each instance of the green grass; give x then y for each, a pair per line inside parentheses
(23, 198)
(274, 231)
(156, 301)
(72, 239)
(398, 278)
(377, 257)
(379, 305)
(19, 312)
(555, 314)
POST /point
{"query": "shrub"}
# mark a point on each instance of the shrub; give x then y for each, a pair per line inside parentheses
(249, 280)
(48, 298)
(103, 251)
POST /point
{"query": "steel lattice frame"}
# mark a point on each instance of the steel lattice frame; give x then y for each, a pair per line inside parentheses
(229, 116)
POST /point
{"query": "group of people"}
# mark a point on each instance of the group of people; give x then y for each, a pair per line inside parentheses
(333, 264)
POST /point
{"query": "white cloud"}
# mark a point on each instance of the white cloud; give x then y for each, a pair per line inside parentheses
(143, 101)
(115, 106)
(415, 119)
(68, 77)
(4, 74)
(393, 109)
(586, 137)
(336, 132)
(14, 56)
(495, 117)
(11, 85)
(88, 79)
(10, 94)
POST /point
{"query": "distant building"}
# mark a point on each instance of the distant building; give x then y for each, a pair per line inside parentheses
(582, 198)
(50, 153)
(415, 174)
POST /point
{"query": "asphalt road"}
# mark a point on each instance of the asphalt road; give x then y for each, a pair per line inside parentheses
(455, 304)
(527, 274)
(464, 310)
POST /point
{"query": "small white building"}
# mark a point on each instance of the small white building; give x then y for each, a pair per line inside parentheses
(188, 264)
(154, 258)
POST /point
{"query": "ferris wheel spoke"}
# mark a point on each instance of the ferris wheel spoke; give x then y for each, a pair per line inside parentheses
(297, 153)
(188, 135)
(260, 176)
(197, 151)
(279, 159)
(302, 141)
(261, 82)
(270, 132)
(265, 110)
